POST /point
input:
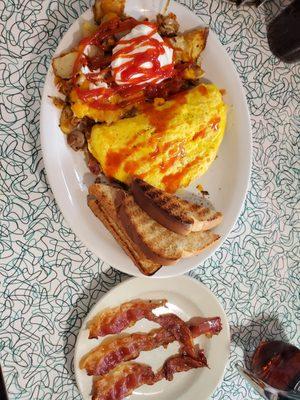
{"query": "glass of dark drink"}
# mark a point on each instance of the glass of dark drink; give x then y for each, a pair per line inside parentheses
(278, 364)
(284, 33)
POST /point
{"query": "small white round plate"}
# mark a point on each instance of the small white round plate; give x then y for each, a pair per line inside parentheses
(226, 180)
(186, 298)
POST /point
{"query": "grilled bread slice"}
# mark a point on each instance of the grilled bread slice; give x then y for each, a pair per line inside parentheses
(101, 200)
(157, 242)
(176, 214)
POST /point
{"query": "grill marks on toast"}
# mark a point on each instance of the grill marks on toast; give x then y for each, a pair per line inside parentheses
(149, 244)
(173, 212)
(162, 241)
(166, 202)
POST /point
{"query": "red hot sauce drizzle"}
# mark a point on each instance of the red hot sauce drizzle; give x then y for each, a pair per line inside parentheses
(133, 91)
(135, 64)
(159, 118)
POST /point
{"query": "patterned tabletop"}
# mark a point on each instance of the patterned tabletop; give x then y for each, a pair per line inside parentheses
(49, 280)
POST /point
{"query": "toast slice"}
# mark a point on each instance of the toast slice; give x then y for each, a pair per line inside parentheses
(172, 212)
(101, 200)
(156, 240)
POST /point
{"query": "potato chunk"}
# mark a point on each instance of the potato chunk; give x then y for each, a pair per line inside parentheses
(88, 28)
(68, 121)
(103, 7)
(188, 46)
(63, 65)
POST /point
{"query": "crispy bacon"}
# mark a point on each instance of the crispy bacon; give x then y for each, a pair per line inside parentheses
(181, 363)
(122, 380)
(127, 347)
(205, 326)
(115, 320)
(175, 325)
(113, 351)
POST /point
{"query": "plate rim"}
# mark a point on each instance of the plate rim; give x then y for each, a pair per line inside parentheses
(192, 280)
(163, 272)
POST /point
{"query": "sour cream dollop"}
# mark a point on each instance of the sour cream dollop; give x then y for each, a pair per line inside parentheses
(95, 81)
(142, 56)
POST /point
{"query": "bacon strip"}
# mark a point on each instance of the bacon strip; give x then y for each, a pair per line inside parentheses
(115, 320)
(122, 380)
(205, 326)
(175, 325)
(113, 351)
(181, 363)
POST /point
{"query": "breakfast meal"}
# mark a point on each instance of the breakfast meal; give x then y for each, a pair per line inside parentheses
(136, 104)
(110, 363)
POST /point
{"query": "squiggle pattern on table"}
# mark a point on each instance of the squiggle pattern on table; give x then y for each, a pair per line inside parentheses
(49, 280)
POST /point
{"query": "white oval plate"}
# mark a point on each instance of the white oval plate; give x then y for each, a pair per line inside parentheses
(226, 180)
(186, 298)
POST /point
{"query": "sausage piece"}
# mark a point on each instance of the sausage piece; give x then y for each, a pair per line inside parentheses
(76, 139)
(167, 24)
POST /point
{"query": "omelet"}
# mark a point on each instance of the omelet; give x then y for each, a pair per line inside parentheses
(168, 144)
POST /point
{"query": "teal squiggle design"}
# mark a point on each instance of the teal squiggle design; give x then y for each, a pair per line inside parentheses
(49, 280)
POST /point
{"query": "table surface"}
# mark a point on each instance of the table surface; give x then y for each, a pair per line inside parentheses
(49, 280)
